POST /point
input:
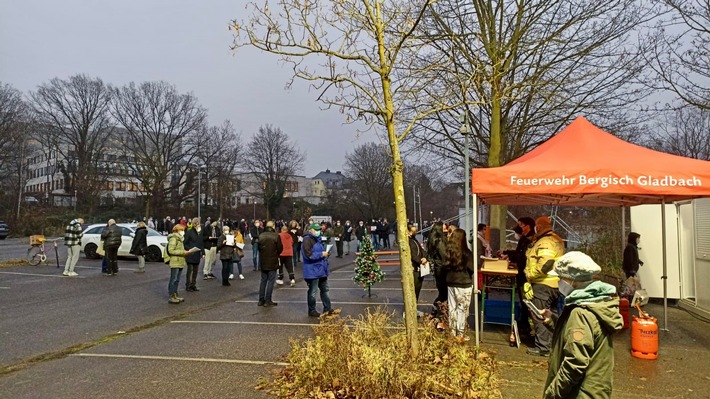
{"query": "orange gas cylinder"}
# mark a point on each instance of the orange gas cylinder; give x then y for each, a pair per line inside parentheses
(624, 310)
(644, 338)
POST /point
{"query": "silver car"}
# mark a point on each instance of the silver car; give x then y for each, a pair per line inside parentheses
(92, 236)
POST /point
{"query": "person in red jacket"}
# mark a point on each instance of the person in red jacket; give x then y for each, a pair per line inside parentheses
(286, 257)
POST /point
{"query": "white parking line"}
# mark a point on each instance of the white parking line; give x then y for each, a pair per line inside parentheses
(4, 288)
(40, 275)
(344, 303)
(265, 323)
(257, 323)
(173, 358)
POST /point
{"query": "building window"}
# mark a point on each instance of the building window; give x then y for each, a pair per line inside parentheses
(109, 186)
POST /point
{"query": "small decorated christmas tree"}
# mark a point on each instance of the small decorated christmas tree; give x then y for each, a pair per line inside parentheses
(367, 271)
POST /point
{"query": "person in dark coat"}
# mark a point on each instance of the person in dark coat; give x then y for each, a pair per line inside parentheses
(436, 249)
(526, 232)
(139, 247)
(270, 248)
(226, 254)
(255, 233)
(193, 239)
(631, 262)
(112, 241)
(418, 257)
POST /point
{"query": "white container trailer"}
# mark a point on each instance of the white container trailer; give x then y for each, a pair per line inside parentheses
(687, 251)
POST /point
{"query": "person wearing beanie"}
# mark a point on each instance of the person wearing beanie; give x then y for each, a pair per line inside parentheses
(316, 270)
(581, 362)
(541, 287)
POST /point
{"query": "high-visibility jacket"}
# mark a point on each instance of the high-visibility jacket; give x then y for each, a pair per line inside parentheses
(547, 246)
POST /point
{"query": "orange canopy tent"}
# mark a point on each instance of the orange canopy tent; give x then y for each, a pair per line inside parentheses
(585, 166)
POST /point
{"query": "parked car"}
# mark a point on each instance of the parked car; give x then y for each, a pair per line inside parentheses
(4, 230)
(92, 236)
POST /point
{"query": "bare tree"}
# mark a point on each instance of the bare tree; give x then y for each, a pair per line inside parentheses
(14, 143)
(685, 132)
(220, 151)
(12, 115)
(274, 158)
(679, 54)
(361, 52)
(525, 70)
(162, 127)
(367, 167)
(74, 115)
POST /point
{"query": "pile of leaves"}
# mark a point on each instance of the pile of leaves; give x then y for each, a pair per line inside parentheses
(369, 358)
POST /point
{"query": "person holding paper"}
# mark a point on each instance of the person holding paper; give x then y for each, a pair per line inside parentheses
(316, 270)
(458, 262)
(418, 258)
(226, 254)
(193, 239)
(175, 255)
(238, 253)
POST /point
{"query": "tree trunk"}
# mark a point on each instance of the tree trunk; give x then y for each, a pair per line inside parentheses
(498, 212)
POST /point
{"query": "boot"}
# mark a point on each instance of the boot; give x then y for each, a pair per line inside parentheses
(179, 298)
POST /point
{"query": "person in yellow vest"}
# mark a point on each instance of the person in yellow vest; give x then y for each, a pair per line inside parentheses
(541, 287)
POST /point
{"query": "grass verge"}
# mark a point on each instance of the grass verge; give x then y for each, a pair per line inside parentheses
(366, 358)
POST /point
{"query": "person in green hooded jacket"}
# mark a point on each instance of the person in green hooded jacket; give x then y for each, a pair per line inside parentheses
(581, 361)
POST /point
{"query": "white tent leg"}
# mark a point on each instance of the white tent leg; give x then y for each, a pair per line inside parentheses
(665, 266)
(623, 228)
(477, 315)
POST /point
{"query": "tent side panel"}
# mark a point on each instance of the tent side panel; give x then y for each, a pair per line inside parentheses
(646, 220)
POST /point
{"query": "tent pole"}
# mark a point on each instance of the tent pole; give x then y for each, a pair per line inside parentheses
(665, 265)
(476, 255)
(623, 228)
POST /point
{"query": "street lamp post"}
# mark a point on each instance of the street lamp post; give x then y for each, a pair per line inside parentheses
(199, 192)
(253, 200)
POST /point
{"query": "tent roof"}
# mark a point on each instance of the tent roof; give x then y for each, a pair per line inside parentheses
(585, 166)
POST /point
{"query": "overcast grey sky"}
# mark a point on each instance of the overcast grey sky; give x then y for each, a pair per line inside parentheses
(182, 42)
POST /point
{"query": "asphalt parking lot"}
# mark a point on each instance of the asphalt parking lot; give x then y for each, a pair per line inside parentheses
(96, 337)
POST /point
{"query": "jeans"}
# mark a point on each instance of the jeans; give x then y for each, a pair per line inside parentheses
(545, 298)
(112, 260)
(239, 266)
(347, 247)
(141, 262)
(459, 302)
(268, 277)
(296, 252)
(227, 269)
(174, 280)
(314, 285)
(255, 254)
(72, 257)
(375, 241)
(191, 276)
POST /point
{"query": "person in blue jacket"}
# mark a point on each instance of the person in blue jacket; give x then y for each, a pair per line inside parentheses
(315, 270)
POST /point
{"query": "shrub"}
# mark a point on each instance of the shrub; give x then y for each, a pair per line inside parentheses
(368, 358)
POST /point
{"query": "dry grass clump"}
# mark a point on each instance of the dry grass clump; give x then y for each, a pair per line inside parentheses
(368, 358)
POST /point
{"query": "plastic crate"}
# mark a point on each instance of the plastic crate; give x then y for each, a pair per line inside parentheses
(499, 311)
(36, 239)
